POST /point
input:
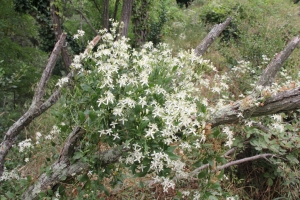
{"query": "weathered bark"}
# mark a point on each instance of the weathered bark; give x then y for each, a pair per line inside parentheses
(140, 21)
(105, 20)
(211, 36)
(57, 32)
(116, 10)
(235, 162)
(270, 72)
(281, 102)
(37, 106)
(126, 14)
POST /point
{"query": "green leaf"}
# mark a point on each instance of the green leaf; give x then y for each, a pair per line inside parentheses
(216, 186)
(63, 178)
(10, 195)
(92, 115)
(198, 163)
(269, 182)
(81, 117)
(172, 156)
(142, 184)
(292, 159)
(202, 174)
(171, 149)
(203, 108)
(3, 197)
(50, 192)
(83, 178)
(78, 155)
(53, 143)
(212, 197)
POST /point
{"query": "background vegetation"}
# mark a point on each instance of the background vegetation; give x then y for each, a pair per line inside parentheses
(259, 30)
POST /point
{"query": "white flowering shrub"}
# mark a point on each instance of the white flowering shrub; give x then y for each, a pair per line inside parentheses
(147, 100)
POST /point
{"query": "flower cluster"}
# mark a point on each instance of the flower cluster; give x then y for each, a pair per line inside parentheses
(9, 175)
(26, 144)
(229, 134)
(80, 33)
(62, 81)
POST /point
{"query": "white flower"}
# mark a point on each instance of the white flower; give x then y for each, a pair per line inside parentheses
(167, 183)
(229, 134)
(185, 193)
(278, 126)
(37, 136)
(24, 145)
(277, 117)
(62, 81)
(249, 123)
(116, 136)
(80, 32)
(216, 90)
(142, 101)
(196, 196)
(240, 115)
(26, 159)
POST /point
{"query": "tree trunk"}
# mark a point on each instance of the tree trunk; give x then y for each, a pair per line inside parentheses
(126, 14)
(140, 21)
(57, 32)
(106, 14)
(116, 10)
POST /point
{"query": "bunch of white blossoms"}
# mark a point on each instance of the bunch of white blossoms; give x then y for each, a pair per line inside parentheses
(148, 99)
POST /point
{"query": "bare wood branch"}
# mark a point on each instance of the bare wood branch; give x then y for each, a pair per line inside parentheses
(62, 170)
(85, 18)
(34, 109)
(69, 147)
(261, 127)
(96, 5)
(39, 93)
(211, 36)
(281, 102)
(58, 32)
(236, 162)
(270, 72)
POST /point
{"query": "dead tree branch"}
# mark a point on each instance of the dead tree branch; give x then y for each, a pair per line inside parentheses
(38, 106)
(211, 37)
(35, 108)
(236, 162)
(271, 70)
(58, 32)
(281, 102)
(63, 169)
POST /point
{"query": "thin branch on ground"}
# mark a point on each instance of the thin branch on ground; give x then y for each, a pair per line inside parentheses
(235, 162)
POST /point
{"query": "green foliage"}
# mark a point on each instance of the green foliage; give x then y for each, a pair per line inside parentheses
(21, 62)
(215, 13)
(156, 24)
(148, 101)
